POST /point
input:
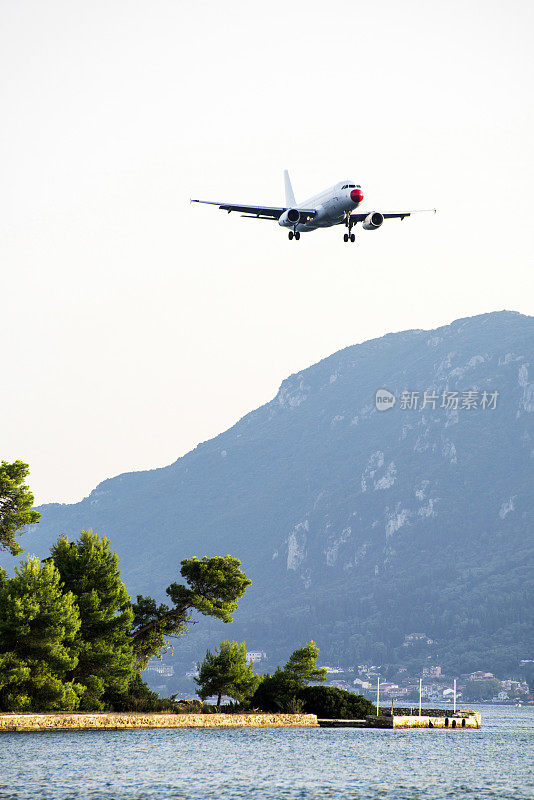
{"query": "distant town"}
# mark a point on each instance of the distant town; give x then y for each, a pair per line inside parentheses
(398, 683)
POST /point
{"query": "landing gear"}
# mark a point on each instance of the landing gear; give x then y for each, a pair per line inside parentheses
(349, 237)
(292, 234)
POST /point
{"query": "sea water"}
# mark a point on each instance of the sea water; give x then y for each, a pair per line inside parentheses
(494, 762)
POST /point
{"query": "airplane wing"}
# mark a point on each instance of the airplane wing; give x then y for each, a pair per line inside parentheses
(389, 215)
(258, 212)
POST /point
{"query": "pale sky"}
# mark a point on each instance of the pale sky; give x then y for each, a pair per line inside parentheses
(135, 325)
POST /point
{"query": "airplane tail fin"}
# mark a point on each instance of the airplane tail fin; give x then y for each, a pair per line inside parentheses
(290, 197)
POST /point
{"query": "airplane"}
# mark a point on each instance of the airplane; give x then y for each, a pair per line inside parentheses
(334, 206)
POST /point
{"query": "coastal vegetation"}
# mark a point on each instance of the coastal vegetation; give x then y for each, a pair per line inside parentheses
(288, 690)
(72, 640)
(226, 671)
(330, 702)
(70, 637)
(39, 623)
(280, 691)
(103, 652)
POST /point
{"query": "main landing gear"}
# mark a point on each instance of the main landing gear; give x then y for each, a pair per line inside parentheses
(349, 237)
(296, 234)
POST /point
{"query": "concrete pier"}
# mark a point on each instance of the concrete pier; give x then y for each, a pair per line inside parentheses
(430, 718)
(461, 720)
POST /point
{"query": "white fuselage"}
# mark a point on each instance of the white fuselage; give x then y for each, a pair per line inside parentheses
(331, 207)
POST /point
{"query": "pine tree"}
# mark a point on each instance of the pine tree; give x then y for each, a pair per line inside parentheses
(302, 664)
(215, 586)
(280, 692)
(227, 672)
(90, 570)
(38, 626)
(16, 503)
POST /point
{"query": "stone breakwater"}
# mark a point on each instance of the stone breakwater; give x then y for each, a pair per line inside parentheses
(430, 718)
(125, 721)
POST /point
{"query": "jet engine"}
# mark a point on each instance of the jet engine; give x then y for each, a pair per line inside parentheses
(373, 221)
(289, 217)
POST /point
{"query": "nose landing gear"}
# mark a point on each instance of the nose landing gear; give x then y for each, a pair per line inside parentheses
(292, 234)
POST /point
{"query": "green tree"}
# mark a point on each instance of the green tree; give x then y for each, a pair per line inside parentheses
(38, 626)
(227, 672)
(16, 503)
(215, 587)
(302, 664)
(103, 648)
(280, 692)
(152, 627)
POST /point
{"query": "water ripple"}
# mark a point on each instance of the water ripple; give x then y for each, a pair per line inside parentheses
(277, 764)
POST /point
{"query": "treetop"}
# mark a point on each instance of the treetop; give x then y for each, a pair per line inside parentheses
(16, 501)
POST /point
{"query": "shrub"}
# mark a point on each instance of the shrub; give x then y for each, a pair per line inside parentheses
(329, 702)
(137, 697)
(188, 707)
(276, 692)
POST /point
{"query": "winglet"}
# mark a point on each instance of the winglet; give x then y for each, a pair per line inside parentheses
(290, 197)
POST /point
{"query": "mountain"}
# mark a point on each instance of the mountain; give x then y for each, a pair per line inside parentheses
(358, 527)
